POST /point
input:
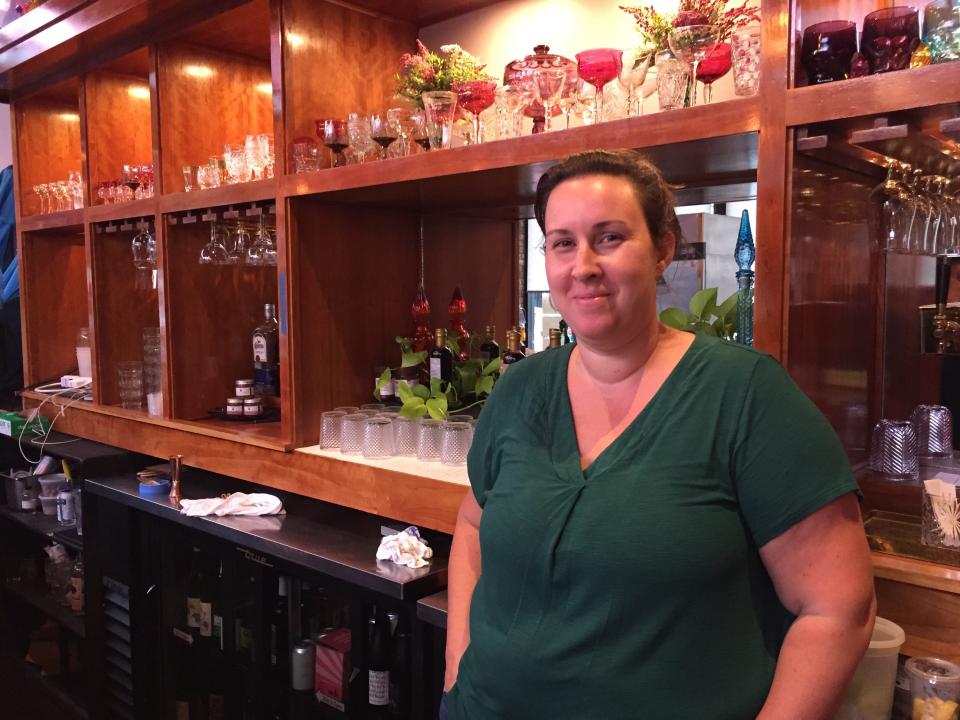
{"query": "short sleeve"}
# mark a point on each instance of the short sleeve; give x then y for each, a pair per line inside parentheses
(787, 461)
(483, 458)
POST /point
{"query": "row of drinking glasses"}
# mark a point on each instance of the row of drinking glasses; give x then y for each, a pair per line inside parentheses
(135, 183)
(378, 433)
(253, 160)
(236, 243)
(60, 194)
(891, 40)
(916, 213)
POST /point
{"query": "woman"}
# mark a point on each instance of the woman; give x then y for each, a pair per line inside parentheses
(661, 524)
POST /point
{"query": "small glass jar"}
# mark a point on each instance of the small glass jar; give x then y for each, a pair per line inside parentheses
(252, 407)
(235, 406)
(244, 388)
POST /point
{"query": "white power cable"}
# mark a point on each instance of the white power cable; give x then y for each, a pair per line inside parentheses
(36, 413)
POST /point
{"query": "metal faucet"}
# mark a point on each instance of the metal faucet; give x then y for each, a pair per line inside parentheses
(946, 325)
(176, 467)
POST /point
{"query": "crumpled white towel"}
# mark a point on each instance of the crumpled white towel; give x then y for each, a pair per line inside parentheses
(235, 504)
(405, 548)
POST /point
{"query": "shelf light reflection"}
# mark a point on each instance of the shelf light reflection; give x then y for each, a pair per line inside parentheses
(139, 92)
(265, 88)
(199, 71)
(69, 117)
(296, 40)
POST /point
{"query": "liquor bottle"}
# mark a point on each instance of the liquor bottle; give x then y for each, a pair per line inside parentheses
(266, 353)
(564, 332)
(513, 353)
(554, 338)
(489, 350)
(441, 359)
(194, 588)
(378, 666)
(521, 328)
(279, 652)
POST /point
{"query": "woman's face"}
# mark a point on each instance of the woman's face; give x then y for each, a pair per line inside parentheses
(602, 264)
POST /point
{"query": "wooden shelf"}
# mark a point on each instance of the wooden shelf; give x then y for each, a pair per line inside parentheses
(239, 194)
(420, 12)
(45, 602)
(888, 92)
(709, 144)
(54, 220)
(146, 208)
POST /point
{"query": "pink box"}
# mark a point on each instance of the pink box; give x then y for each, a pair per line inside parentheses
(332, 669)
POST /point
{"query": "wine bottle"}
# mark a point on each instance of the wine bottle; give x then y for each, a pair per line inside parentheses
(489, 350)
(554, 338)
(513, 353)
(266, 353)
(279, 652)
(441, 359)
(378, 666)
(399, 700)
(194, 589)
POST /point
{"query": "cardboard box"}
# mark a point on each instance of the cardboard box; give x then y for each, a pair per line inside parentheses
(332, 670)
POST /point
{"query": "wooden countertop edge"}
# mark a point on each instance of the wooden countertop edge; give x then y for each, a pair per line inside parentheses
(916, 572)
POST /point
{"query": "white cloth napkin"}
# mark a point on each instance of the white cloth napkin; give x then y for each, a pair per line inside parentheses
(235, 504)
(405, 548)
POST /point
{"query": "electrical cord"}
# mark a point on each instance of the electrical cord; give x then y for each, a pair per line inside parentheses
(51, 395)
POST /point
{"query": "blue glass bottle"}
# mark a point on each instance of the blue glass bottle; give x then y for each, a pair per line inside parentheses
(744, 254)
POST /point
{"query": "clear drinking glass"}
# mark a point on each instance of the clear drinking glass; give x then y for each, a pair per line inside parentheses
(189, 178)
(347, 409)
(305, 156)
(455, 444)
(254, 156)
(547, 84)
(151, 370)
(331, 423)
(130, 381)
(429, 439)
(745, 46)
(406, 432)
(351, 433)
(515, 100)
(144, 249)
(238, 243)
(215, 251)
(362, 145)
(893, 450)
(633, 72)
(672, 78)
(440, 108)
(378, 438)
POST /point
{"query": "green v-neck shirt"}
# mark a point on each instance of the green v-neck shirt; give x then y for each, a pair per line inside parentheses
(634, 588)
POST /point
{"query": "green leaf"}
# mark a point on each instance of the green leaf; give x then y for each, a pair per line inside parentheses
(492, 367)
(383, 380)
(453, 345)
(437, 407)
(484, 385)
(421, 391)
(468, 382)
(473, 365)
(436, 387)
(413, 408)
(405, 343)
(728, 307)
(674, 317)
(703, 302)
(412, 359)
(404, 390)
(704, 327)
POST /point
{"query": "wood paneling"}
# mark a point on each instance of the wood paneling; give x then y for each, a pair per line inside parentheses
(53, 301)
(354, 281)
(337, 61)
(125, 302)
(211, 313)
(243, 30)
(118, 126)
(480, 256)
(208, 99)
(417, 12)
(930, 618)
(48, 145)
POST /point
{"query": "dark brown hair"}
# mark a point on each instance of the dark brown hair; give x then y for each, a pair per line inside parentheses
(652, 190)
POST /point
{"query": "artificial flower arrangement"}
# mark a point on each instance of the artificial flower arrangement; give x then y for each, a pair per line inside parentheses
(427, 70)
(654, 27)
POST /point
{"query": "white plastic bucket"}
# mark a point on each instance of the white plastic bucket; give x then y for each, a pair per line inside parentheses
(870, 694)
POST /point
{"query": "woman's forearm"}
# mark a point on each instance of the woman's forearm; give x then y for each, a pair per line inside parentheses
(817, 660)
(462, 574)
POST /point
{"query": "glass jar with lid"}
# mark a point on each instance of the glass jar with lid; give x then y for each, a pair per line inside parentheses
(235, 407)
(252, 407)
(520, 73)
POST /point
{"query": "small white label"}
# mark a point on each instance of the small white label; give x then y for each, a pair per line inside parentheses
(259, 348)
(330, 701)
(193, 612)
(435, 371)
(246, 390)
(180, 634)
(206, 619)
(379, 688)
(5, 427)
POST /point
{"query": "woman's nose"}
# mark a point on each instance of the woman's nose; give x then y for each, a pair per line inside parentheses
(585, 262)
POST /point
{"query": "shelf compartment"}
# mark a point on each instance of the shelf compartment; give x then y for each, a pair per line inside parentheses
(47, 132)
(45, 601)
(254, 191)
(126, 301)
(707, 145)
(54, 301)
(53, 221)
(119, 125)
(355, 54)
(211, 313)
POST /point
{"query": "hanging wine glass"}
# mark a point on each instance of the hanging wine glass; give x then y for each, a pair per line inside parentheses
(691, 44)
(215, 251)
(892, 212)
(144, 249)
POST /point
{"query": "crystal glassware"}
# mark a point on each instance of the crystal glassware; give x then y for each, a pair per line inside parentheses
(263, 250)
(40, 190)
(633, 72)
(351, 433)
(941, 30)
(827, 49)
(673, 77)
(189, 178)
(548, 84)
(130, 382)
(889, 38)
(519, 74)
(598, 67)
(361, 144)
(455, 443)
(745, 45)
(429, 439)
(892, 213)
(330, 424)
(384, 133)
(335, 138)
(253, 153)
(347, 409)
(267, 153)
(714, 66)
(238, 243)
(215, 251)
(933, 425)
(305, 156)
(649, 86)
(75, 185)
(921, 242)
(893, 450)
(378, 438)
(475, 96)
(144, 249)
(692, 43)
(418, 131)
(440, 109)
(405, 434)
(514, 99)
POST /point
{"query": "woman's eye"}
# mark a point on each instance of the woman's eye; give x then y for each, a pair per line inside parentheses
(561, 244)
(609, 237)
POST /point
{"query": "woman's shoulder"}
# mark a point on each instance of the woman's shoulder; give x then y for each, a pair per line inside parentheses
(525, 382)
(729, 357)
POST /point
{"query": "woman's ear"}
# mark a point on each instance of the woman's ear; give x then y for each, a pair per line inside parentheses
(665, 250)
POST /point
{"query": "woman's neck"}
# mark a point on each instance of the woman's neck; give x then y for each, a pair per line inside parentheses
(620, 362)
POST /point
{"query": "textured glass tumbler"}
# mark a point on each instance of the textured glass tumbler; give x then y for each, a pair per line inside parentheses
(378, 438)
(429, 439)
(373, 406)
(351, 433)
(469, 419)
(745, 45)
(672, 78)
(406, 431)
(893, 450)
(330, 424)
(455, 445)
(348, 409)
(933, 425)
(130, 381)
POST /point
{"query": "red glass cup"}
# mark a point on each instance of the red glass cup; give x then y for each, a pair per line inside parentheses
(598, 67)
(714, 66)
(827, 50)
(475, 96)
(334, 135)
(889, 38)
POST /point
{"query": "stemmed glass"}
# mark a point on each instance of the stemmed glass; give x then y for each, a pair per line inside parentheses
(144, 248)
(892, 212)
(475, 96)
(240, 242)
(570, 99)
(598, 67)
(335, 137)
(548, 86)
(75, 185)
(649, 86)
(41, 190)
(632, 75)
(266, 151)
(715, 65)
(263, 251)
(383, 132)
(401, 119)
(215, 251)
(62, 193)
(419, 132)
(515, 99)
(691, 44)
